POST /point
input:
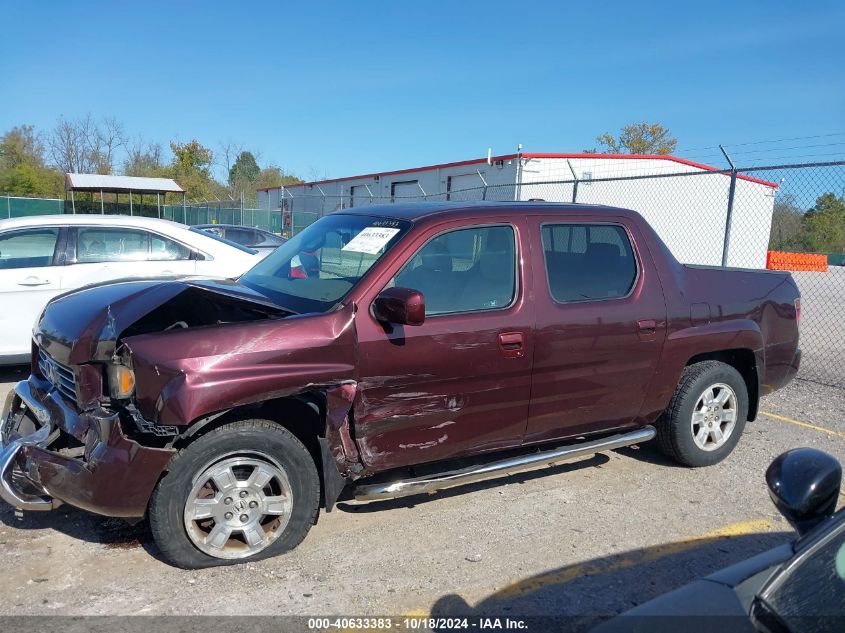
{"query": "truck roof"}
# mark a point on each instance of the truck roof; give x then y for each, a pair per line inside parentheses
(418, 211)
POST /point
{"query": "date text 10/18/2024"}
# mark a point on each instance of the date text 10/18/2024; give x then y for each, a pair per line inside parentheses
(416, 623)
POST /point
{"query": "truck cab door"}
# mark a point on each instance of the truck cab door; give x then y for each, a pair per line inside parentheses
(601, 323)
(459, 383)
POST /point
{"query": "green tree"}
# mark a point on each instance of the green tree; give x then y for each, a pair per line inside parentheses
(825, 224)
(788, 230)
(271, 176)
(22, 168)
(274, 176)
(144, 159)
(638, 138)
(245, 169)
(21, 146)
(191, 168)
(29, 180)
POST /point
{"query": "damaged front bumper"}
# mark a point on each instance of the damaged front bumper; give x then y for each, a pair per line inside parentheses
(52, 454)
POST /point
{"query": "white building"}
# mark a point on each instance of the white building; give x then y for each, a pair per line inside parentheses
(685, 202)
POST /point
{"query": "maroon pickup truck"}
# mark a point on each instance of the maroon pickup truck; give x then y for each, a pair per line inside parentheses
(382, 352)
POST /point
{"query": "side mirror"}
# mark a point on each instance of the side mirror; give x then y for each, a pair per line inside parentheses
(804, 486)
(402, 306)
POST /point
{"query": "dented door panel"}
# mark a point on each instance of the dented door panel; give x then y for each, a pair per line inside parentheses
(445, 388)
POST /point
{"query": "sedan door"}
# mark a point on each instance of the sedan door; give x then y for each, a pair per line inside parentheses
(29, 278)
(601, 323)
(459, 383)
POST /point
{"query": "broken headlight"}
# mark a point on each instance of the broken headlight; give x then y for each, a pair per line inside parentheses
(121, 381)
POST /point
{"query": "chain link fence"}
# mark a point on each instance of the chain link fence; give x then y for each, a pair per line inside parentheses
(728, 217)
(267, 219)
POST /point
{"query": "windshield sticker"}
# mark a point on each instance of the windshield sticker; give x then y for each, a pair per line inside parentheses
(371, 240)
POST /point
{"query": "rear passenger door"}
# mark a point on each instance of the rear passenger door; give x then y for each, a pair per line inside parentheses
(600, 327)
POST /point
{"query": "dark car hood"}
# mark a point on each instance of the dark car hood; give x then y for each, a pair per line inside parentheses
(720, 601)
(84, 325)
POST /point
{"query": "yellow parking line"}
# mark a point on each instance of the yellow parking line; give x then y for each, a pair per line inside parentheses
(804, 424)
(651, 554)
(568, 574)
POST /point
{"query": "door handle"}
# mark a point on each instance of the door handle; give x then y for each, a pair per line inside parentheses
(512, 344)
(647, 328)
(33, 281)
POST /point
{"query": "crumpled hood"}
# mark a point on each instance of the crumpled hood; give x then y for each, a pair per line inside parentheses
(84, 325)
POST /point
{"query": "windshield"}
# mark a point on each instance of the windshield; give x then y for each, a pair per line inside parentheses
(314, 270)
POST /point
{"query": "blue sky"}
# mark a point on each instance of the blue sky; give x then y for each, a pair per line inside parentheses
(334, 89)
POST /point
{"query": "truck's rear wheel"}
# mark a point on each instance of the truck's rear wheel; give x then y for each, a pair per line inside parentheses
(706, 415)
(245, 491)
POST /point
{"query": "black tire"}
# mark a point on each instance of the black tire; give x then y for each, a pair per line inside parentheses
(249, 438)
(674, 429)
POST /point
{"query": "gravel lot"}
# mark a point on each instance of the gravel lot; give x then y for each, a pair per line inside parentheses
(594, 537)
(822, 325)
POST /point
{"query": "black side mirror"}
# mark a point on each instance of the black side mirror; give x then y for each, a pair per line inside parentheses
(401, 306)
(804, 486)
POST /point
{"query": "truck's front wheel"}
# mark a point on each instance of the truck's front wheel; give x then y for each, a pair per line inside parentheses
(706, 415)
(245, 491)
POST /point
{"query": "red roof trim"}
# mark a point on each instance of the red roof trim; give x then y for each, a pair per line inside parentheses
(474, 161)
(479, 161)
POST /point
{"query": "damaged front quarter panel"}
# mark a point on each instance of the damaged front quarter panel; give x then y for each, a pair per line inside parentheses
(199, 348)
(183, 375)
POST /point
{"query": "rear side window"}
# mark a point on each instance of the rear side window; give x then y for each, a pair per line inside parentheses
(104, 244)
(163, 249)
(242, 236)
(29, 248)
(98, 244)
(467, 270)
(587, 262)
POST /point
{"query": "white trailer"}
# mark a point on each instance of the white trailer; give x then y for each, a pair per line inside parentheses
(685, 202)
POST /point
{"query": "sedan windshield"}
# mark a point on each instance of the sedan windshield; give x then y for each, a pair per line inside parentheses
(314, 270)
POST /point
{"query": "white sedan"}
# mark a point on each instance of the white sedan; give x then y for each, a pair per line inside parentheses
(43, 256)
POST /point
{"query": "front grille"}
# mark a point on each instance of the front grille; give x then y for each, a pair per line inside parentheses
(59, 375)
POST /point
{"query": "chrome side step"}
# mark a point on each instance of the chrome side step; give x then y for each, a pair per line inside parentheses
(431, 483)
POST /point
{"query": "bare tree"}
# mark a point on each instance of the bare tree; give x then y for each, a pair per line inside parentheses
(109, 137)
(83, 146)
(68, 145)
(228, 154)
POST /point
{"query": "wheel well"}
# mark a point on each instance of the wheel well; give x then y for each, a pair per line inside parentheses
(744, 361)
(304, 415)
